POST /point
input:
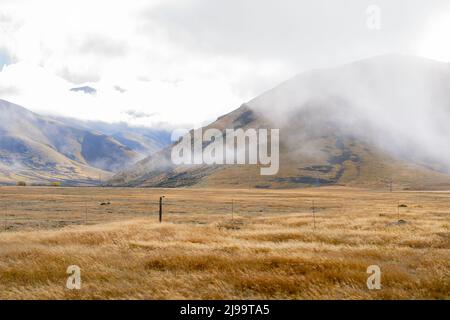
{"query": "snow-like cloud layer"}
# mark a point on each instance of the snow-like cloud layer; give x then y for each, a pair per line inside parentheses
(185, 62)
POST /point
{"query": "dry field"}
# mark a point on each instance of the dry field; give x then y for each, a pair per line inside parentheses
(223, 244)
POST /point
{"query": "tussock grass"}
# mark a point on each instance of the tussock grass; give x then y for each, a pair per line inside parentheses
(258, 255)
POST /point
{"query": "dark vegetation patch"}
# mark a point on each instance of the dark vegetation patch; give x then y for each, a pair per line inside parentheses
(265, 186)
(319, 168)
(307, 180)
(184, 179)
(244, 119)
(339, 160)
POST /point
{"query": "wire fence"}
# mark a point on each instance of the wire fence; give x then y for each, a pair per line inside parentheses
(42, 214)
(57, 213)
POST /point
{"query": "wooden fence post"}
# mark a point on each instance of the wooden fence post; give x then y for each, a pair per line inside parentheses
(232, 210)
(6, 217)
(161, 208)
(314, 213)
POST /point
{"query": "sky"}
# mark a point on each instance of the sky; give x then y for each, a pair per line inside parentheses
(183, 63)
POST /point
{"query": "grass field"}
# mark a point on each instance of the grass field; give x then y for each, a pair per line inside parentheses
(223, 244)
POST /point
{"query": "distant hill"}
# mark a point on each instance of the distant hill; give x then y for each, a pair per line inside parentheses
(144, 141)
(38, 149)
(363, 124)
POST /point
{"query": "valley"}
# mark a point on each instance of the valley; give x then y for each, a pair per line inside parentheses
(313, 243)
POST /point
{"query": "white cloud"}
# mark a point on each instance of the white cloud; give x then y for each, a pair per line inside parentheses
(185, 62)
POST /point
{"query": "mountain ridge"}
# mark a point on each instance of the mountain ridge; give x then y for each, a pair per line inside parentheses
(39, 149)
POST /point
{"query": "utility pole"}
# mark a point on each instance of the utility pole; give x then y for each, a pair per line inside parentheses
(161, 208)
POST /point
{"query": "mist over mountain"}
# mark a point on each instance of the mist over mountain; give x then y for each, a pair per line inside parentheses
(400, 103)
(143, 140)
(365, 124)
(39, 149)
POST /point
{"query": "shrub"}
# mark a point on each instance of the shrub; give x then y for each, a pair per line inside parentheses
(22, 184)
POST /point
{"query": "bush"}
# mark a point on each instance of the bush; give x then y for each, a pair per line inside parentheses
(56, 184)
(21, 184)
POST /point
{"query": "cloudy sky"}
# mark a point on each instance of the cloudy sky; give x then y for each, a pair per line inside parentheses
(185, 62)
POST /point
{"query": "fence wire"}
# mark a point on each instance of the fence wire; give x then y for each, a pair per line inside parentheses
(57, 213)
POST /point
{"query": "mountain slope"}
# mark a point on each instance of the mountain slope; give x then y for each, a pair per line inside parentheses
(363, 124)
(142, 140)
(37, 149)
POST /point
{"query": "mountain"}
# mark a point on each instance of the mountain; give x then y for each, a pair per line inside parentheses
(370, 123)
(142, 140)
(38, 149)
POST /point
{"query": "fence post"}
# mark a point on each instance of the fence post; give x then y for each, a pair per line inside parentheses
(232, 210)
(6, 217)
(314, 213)
(85, 213)
(161, 208)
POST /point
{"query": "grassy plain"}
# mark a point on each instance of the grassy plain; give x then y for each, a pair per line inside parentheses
(223, 243)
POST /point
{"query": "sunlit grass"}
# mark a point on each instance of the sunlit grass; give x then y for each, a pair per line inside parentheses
(254, 256)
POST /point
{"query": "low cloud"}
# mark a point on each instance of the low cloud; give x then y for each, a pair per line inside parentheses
(8, 90)
(103, 46)
(78, 76)
(139, 114)
(226, 52)
(120, 89)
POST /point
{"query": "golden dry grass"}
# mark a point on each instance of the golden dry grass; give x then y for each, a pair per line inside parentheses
(270, 250)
